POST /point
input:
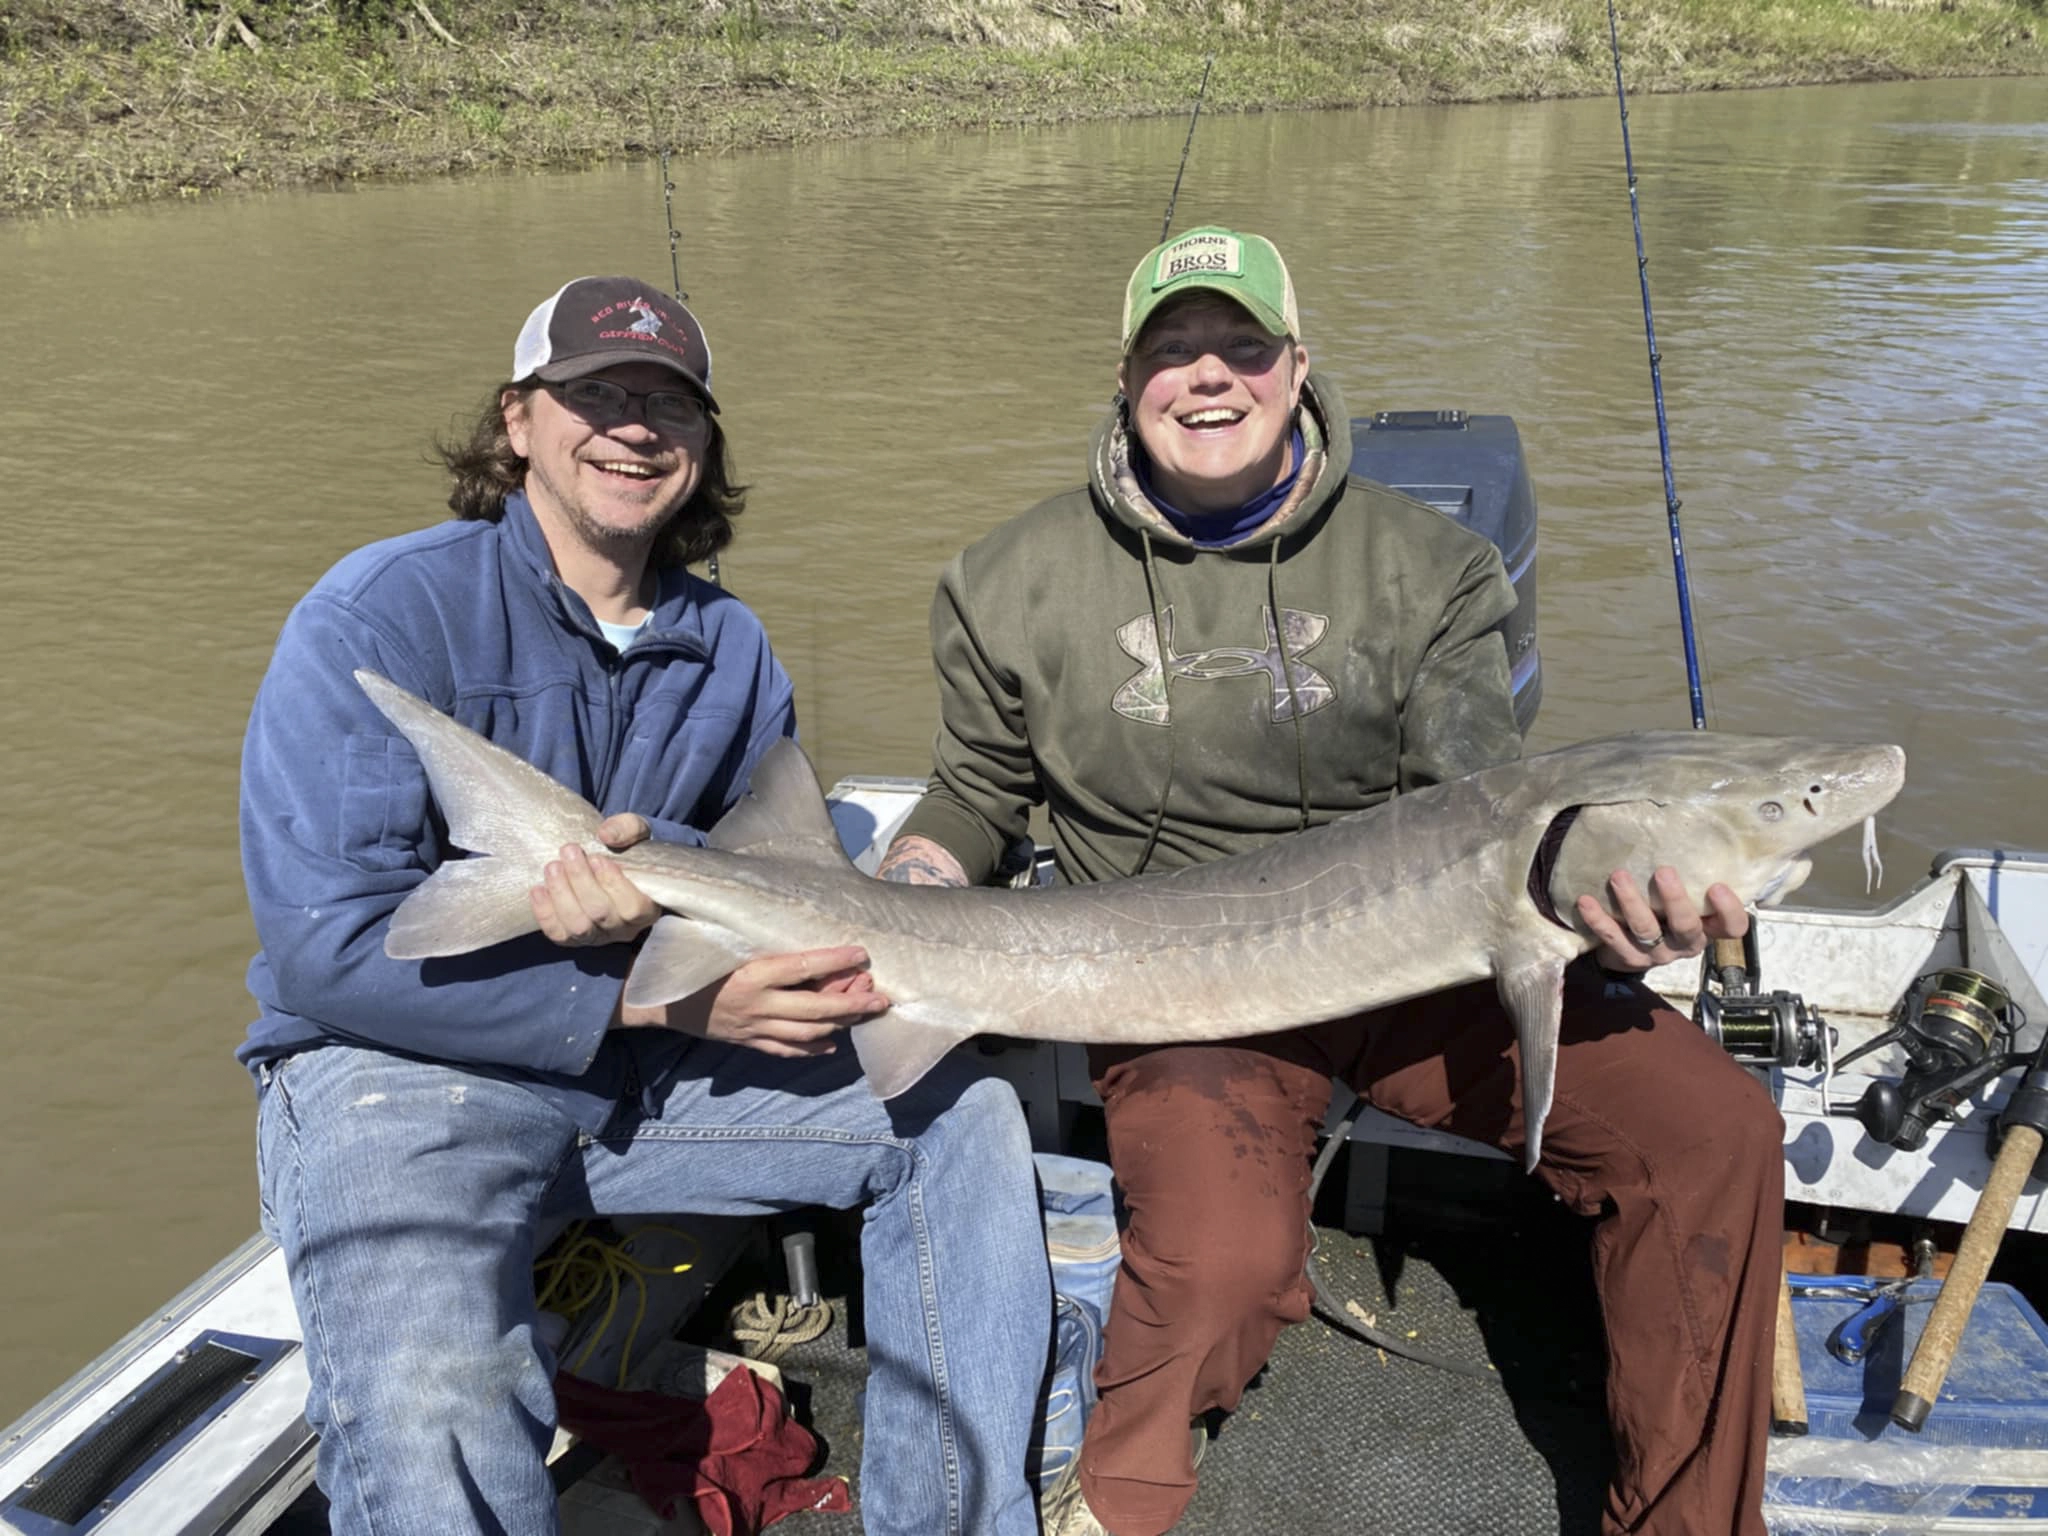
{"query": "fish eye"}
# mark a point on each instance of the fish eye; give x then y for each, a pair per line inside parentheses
(1770, 810)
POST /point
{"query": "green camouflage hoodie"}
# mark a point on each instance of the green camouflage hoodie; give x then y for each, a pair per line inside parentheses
(1055, 685)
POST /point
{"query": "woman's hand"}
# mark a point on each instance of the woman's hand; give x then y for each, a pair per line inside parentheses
(1633, 938)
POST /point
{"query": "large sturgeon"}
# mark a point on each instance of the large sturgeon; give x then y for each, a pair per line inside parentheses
(1430, 890)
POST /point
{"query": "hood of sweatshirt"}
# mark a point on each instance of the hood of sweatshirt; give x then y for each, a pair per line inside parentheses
(1326, 435)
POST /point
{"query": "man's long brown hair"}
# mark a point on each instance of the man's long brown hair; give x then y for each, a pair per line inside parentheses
(486, 470)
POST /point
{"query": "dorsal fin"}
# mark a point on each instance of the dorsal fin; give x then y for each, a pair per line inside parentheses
(782, 813)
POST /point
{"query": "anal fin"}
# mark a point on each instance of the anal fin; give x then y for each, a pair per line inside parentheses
(898, 1047)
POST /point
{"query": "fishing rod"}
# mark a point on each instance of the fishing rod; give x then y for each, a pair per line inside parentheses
(1671, 501)
(1733, 960)
(1193, 118)
(675, 275)
(668, 217)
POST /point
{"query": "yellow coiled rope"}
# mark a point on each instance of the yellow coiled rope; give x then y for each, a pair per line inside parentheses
(581, 1267)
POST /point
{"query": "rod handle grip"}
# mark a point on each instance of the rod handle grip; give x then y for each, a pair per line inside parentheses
(1731, 965)
(1788, 1382)
(1935, 1352)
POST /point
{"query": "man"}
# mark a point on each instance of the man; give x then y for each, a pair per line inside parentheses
(422, 1123)
(1223, 639)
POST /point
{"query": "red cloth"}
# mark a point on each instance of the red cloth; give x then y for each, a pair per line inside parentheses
(738, 1454)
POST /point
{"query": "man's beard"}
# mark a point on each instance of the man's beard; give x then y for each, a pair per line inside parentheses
(604, 535)
(600, 535)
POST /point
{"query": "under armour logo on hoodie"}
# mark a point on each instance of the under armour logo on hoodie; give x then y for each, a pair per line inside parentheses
(1144, 699)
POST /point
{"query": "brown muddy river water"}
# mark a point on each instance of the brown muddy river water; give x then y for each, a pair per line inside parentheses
(204, 406)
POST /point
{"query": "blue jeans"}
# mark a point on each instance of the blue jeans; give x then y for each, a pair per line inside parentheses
(407, 1196)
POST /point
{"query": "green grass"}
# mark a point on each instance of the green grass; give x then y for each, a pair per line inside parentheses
(110, 101)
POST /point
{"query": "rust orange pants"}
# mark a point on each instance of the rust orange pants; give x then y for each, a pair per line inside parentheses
(1654, 1131)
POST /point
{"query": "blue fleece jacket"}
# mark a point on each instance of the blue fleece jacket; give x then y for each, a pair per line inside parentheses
(338, 825)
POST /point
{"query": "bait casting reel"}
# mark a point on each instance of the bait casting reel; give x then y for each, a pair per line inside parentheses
(1956, 1028)
(1757, 1028)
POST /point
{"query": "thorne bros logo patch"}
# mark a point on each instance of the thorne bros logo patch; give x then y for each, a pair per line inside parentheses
(1210, 255)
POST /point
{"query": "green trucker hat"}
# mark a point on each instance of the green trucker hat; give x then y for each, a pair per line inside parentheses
(1245, 268)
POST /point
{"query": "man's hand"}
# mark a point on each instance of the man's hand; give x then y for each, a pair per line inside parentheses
(1632, 938)
(920, 861)
(780, 1005)
(586, 900)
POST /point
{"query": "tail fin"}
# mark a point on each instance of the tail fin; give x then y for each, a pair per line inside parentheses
(496, 805)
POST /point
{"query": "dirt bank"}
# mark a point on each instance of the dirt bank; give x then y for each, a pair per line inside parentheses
(104, 102)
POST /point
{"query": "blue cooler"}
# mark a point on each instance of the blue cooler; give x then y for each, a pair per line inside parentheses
(1980, 1463)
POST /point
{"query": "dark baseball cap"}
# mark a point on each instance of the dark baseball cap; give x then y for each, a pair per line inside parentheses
(594, 323)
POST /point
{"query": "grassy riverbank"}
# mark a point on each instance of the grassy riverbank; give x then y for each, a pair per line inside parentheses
(111, 101)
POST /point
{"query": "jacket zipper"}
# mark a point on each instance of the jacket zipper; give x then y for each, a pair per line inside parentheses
(614, 733)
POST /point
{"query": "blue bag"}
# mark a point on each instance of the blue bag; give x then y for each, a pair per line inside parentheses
(1079, 1201)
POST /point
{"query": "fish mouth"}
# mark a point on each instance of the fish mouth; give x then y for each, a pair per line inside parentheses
(1785, 881)
(1853, 788)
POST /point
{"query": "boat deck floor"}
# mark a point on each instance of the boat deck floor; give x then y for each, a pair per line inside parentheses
(1332, 1437)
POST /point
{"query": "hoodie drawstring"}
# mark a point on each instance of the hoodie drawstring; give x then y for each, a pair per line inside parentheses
(1287, 672)
(1166, 687)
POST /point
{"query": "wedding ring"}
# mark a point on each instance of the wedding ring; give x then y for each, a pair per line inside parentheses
(1647, 940)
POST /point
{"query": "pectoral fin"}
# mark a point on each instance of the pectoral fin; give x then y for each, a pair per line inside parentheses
(1533, 994)
(680, 957)
(899, 1047)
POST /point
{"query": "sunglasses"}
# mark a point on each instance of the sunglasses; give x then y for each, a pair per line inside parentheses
(601, 402)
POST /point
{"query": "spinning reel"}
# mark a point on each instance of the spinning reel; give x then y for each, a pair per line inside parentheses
(1755, 1027)
(1956, 1028)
